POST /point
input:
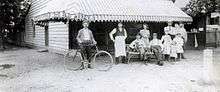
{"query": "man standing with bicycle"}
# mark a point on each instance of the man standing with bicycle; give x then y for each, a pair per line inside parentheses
(86, 42)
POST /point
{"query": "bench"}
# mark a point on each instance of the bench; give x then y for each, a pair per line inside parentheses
(135, 55)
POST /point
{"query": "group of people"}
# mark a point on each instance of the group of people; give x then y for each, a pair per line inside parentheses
(169, 47)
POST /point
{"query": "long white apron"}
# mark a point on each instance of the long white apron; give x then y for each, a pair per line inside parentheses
(120, 46)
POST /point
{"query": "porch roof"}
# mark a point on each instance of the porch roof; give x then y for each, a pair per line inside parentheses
(114, 10)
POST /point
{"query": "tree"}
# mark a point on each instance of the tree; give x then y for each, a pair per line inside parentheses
(12, 15)
(218, 5)
(196, 7)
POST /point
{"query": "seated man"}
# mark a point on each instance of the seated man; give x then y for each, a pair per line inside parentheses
(139, 46)
(156, 48)
(86, 42)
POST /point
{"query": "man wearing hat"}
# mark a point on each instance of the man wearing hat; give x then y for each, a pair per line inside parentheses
(86, 41)
(156, 46)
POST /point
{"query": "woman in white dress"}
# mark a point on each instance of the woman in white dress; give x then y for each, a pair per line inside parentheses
(183, 33)
(120, 34)
(145, 34)
(166, 41)
(179, 45)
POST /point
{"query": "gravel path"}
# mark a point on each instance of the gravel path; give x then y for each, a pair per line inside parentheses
(44, 72)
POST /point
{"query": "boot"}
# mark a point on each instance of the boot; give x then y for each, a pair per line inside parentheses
(182, 56)
(124, 60)
(160, 63)
(178, 56)
(117, 60)
(168, 58)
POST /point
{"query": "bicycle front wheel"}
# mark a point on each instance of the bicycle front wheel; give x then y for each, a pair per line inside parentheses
(102, 61)
(73, 60)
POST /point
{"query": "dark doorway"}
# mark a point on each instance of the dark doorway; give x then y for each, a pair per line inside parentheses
(74, 27)
(101, 32)
(46, 36)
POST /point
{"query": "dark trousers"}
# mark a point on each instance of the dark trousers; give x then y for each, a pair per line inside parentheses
(172, 36)
(87, 51)
(157, 52)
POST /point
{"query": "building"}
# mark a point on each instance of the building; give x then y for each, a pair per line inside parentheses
(54, 24)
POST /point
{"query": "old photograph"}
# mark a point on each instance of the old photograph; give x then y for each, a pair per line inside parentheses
(109, 45)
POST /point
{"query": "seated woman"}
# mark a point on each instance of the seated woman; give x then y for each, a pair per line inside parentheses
(156, 47)
(138, 45)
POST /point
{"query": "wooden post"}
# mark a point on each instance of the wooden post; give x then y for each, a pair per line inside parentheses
(208, 65)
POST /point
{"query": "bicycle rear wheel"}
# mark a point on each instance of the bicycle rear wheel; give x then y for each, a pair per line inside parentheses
(102, 61)
(73, 60)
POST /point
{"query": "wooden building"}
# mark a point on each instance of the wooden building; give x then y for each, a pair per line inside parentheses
(54, 24)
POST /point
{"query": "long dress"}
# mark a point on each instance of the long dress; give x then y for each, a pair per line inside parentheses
(166, 40)
(120, 45)
(145, 36)
(173, 51)
(183, 33)
(179, 44)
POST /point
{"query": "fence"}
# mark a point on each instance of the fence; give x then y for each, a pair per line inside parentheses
(212, 37)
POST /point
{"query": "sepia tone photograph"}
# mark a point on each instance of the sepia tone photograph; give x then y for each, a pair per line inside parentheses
(109, 45)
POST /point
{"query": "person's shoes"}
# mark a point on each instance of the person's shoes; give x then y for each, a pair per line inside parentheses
(89, 66)
(116, 60)
(182, 56)
(146, 63)
(124, 60)
(178, 59)
(160, 63)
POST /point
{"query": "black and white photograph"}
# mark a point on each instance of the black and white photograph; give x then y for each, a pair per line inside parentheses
(109, 45)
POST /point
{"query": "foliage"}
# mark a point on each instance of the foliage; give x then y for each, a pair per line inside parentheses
(12, 18)
(12, 12)
(196, 7)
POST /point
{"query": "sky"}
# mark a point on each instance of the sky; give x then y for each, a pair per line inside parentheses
(181, 3)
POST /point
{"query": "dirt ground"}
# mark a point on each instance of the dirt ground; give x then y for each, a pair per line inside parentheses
(27, 70)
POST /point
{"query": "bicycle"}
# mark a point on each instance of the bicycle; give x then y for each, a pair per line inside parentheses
(100, 60)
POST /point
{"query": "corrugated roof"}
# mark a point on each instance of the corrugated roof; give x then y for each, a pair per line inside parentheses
(116, 10)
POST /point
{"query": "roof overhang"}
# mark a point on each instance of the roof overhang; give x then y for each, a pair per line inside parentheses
(113, 10)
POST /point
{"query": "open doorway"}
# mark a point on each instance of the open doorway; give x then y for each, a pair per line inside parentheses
(46, 36)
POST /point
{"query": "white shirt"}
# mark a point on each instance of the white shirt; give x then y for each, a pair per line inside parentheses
(183, 33)
(156, 42)
(137, 43)
(145, 33)
(86, 34)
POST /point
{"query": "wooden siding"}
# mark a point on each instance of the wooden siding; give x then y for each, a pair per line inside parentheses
(29, 38)
(58, 36)
(58, 33)
(39, 39)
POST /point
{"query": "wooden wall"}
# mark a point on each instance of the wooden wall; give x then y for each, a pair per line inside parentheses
(58, 36)
(29, 37)
(39, 38)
